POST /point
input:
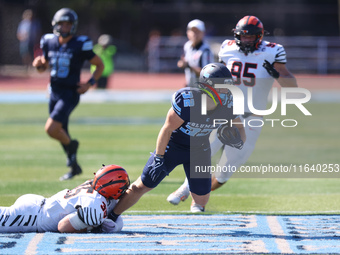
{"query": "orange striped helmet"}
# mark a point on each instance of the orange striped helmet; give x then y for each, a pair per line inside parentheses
(249, 25)
(111, 181)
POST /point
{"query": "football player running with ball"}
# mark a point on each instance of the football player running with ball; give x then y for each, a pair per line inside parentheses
(82, 209)
(65, 53)
(184, 138)
(254, 64)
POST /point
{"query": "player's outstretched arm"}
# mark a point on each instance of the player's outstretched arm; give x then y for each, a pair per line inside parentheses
(172, 122)
(286, 79)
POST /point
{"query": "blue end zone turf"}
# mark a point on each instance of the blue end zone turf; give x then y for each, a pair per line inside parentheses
(192, 234)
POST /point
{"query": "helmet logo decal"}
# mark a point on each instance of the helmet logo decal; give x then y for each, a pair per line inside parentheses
(211, 93)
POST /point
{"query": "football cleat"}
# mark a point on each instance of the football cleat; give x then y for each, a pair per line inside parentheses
(181, 194)
(75, 170)
(196, 208)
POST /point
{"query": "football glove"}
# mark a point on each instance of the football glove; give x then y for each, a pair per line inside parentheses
(271, 70)
(157, 168)
(110, 226)
(230, 136)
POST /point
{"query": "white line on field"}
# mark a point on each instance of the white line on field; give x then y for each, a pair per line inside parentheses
(277, 231)
(241, 212)
(33, 244)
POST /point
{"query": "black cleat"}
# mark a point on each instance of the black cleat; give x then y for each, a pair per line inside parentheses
(75, 170)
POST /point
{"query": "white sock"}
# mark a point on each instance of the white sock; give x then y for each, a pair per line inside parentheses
(185, 184)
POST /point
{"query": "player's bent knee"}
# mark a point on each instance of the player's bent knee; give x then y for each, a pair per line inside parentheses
(139, 187)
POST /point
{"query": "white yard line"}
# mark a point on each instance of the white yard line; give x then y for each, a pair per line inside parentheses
(33, 244)
(277, 231)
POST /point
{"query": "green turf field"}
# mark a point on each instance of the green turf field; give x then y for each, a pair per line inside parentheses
(124, 134)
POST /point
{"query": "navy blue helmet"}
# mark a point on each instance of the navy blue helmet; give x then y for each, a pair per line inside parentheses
(65, 14)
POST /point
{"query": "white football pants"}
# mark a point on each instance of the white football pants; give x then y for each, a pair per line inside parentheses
(233, 158)
(22, 216)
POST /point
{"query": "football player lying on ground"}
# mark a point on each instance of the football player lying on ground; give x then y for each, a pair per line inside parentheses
(82, 209)
(184, 138)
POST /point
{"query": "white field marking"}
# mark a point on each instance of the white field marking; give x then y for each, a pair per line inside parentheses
(310, 213)
(33, 244)
(319, 247)
(136, 96)
(316, 219)
(144, 250)
(276, 230)
(252, 223)
(256, 246)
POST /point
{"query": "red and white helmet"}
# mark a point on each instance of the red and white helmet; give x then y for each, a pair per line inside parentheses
(111, 181)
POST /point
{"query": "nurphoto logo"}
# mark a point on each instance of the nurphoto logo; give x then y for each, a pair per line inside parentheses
(238, 104)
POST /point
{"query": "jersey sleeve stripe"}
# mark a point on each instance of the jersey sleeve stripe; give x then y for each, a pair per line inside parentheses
(281, 56)
(87, 46)
(175, 106)
(93, 217)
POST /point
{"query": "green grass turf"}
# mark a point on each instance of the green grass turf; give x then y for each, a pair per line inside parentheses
(124, 134)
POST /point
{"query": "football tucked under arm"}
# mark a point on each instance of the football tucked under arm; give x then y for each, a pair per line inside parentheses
(230, 136)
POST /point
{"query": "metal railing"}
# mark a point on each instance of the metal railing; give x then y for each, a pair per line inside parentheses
(305, 54)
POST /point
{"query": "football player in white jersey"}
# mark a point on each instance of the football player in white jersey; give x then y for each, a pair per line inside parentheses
(255, 64)
(197, 52)
(84, 208)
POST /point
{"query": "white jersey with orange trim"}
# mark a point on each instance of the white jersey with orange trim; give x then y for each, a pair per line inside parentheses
(248, 72)
(34, 213)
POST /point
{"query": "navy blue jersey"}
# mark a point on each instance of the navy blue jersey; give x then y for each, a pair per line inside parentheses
(66, 60)
(195, 130)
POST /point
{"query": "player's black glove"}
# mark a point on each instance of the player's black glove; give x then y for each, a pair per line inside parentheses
(271, 70)
(230, 136)
(157, 168)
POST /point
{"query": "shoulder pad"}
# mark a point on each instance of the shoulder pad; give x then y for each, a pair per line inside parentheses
(88, 45)
(184, 99)
(49, 36)
(82, 38)
(45, 38)
(276, 50)
(227, 42)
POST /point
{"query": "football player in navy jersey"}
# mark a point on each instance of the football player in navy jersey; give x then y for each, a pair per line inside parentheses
(184, 138)
(65, 53)
(254, 64)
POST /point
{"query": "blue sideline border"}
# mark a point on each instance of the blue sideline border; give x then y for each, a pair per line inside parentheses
(192, 234)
